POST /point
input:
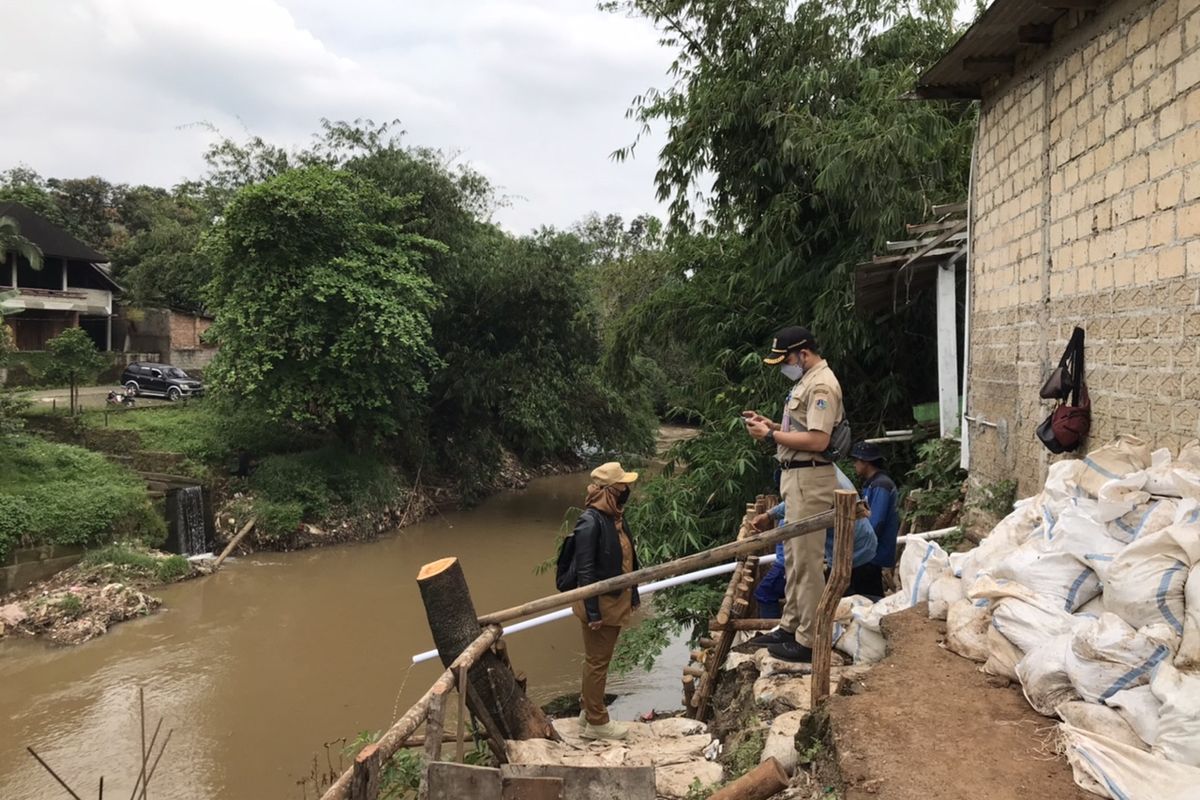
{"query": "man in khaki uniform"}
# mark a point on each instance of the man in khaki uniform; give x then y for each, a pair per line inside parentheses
(812, 410)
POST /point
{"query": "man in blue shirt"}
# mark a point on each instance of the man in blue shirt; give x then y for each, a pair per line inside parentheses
(770, 590)
(881, 494)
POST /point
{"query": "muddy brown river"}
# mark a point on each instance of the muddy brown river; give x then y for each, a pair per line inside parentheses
(258, 667)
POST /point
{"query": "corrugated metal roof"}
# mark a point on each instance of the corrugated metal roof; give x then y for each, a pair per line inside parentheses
(980, 53)
(889, 282)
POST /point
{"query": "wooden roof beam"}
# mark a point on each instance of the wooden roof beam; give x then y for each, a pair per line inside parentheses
(951, 208)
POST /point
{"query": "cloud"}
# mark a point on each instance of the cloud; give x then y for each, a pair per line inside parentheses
(532, 92)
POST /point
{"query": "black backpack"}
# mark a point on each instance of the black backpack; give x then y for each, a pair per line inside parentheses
(565, 578)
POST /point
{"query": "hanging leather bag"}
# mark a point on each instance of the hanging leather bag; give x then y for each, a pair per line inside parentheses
(1069, 423)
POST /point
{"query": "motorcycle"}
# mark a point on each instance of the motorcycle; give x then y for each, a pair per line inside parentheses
(124, 399)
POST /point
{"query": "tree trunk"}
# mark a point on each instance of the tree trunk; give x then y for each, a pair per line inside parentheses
(759, 783)
(452, 620)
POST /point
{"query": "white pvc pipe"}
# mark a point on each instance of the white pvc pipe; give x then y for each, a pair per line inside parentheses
(649, 588)
(666, 583)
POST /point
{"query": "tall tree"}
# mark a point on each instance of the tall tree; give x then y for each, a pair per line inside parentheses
(322, 308)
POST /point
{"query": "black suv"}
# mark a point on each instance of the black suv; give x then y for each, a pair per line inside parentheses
(160, 380)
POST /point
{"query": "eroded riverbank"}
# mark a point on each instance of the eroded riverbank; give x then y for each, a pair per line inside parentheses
(259, 666)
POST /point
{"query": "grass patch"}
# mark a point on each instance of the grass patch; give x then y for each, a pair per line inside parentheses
(60, 494)
(129, 558)
(207, 431)
(70, 605)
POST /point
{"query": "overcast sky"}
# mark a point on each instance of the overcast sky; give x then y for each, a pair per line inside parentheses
(532, 92)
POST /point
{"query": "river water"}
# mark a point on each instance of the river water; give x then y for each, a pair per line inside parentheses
(256, 668)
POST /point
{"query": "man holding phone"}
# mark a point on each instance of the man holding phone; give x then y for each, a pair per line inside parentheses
(812, 410)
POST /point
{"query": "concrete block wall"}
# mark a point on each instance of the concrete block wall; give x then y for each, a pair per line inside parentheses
(1087, 212)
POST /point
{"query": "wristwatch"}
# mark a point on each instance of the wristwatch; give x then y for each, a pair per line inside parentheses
(770, 438)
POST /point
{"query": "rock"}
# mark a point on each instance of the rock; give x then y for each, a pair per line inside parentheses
(12, 615)
(782, 691)
(781, 740)
(735, 660)
(678, 726)
(675, 781)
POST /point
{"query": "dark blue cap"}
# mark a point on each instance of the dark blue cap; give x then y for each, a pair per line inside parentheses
(866, 451)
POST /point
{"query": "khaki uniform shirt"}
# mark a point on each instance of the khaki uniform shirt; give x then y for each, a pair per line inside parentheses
(814, 404)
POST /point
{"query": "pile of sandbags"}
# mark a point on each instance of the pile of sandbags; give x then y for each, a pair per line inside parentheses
(1089, 595)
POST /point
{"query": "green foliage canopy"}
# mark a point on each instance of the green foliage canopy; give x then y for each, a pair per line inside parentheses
(321, 305)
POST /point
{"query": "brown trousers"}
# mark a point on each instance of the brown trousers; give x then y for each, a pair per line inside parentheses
(806, 491)
(598, 646)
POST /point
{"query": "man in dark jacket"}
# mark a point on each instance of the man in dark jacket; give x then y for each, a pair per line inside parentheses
(603, 549)
(881, 494)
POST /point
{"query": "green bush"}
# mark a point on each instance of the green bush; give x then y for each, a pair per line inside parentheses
(61, 494)
(319, 480)
(277, 520)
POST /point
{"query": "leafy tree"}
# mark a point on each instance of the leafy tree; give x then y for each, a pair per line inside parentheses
(321, 306)
(74, 357)
(790, 156)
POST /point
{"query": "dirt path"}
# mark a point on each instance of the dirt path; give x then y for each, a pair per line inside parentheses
(929, 726)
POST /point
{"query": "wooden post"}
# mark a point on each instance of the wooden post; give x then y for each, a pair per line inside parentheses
(494, 694)
(434, 726)
(707, 558)
(689, 688)
(391, 741)
(233, 543)
(845, 506)
(764, 781)
(365, 783)
(462, 712)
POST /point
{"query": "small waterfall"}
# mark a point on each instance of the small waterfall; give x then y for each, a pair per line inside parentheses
(189, 520)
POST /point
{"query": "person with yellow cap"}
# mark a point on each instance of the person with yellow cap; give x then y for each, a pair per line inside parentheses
(603, 549)
(807, 480)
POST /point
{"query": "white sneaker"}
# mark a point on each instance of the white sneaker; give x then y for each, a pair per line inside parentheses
(609, 730)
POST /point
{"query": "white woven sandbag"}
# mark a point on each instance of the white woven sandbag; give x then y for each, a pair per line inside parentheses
(1029, 622)
(967, 626)
(1145, 518)
(1179, 718)
(862, 644)
(1102, 720)
(1045, 569)
(1188, 656)
(1114, 461)
(921, 565)
(1118, 771)
(1107, 655)
(1043, 675)
(1003, 656)
(945, 591)
(1092, 608)
(1145, 582)
(1175, 477)
(1141, 709)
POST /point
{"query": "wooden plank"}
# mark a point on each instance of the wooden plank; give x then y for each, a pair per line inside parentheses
(845, 504)
(930, 227)
(518, 787)
(434, 728)
(450, 781)
(592, 783)
(910, 243)
(950, 208)
(234, 543)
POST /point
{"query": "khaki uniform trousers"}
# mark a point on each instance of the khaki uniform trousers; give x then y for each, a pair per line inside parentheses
(806, 491)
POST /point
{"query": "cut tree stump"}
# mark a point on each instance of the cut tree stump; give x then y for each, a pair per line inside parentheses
(494, 694)
(763, 781)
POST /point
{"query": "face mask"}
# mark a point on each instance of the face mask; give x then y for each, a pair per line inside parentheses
(793, 372)
(623, 497)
